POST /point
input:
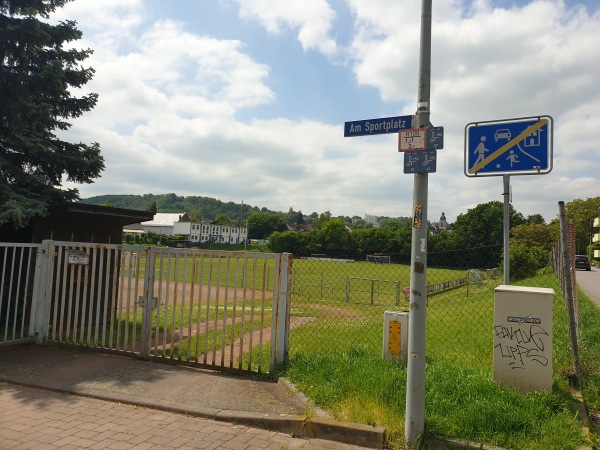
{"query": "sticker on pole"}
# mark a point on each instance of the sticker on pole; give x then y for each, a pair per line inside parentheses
(509, 147)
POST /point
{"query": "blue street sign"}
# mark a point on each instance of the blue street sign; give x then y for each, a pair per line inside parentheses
(377, 126)
(435, 138)
(509, 147)
(423, 161)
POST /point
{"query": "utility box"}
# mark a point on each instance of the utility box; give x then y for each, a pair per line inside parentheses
(395, 336)
(523, 337)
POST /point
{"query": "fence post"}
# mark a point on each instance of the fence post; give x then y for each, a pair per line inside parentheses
(347, 289)
(569, 291)
(283, 310)
(42, 293)
(321, 287)
(372, 289)
(147, 302)
(468, 282)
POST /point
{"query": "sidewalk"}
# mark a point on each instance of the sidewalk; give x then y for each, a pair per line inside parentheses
(118, 395)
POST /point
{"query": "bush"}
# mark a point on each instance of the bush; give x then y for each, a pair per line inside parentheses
(525, 261)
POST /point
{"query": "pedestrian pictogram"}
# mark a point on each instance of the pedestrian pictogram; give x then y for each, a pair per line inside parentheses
(509, 147)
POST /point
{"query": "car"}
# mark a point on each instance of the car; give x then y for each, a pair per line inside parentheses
(502, 133)
(582, 262)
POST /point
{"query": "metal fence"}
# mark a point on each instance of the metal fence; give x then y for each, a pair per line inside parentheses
(340, 304)
(17, 271)
(223, 310)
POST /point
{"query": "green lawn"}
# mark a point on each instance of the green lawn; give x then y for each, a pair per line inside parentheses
(336, 360)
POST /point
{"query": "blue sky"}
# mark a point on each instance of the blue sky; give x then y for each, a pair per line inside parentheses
(247, 99)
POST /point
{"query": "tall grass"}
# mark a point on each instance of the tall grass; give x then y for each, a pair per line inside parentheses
(462, 401)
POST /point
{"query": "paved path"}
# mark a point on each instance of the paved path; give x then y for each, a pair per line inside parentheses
(84, 396)
(590, 283)
(39, 419)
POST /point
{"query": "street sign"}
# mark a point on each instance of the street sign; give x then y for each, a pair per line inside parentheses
(424, 161)
(412, 139)
(509, 147)
(377, 126)
(435, 138)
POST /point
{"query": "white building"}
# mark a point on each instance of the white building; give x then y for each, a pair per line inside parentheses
(179, 224)
(373, 220)
(163, 223)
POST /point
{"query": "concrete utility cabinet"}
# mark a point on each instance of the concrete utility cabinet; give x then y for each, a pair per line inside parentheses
(523, 337)
(395, 336)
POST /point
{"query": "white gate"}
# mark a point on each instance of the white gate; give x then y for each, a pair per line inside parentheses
(215, 309)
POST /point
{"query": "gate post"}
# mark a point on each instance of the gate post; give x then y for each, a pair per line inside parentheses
(283, 310)
(147, 303)
(39, 320)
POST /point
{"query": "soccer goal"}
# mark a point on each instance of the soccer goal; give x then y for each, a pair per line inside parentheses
(378, 259)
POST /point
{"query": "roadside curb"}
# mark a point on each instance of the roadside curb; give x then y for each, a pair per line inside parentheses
(322, 426)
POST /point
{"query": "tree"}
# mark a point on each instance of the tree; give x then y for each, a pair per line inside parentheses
(300, 218)
(323, 219)
(537, 219)
(583, 212)
(483, 225)
(300, 244)
(152, 208)
(223, 219)
(335, 238)
(37, 76)
(481, 229)
(534, 235)
(260, 226)
(291, 216)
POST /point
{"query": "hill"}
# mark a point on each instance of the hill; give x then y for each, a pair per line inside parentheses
(199, 208)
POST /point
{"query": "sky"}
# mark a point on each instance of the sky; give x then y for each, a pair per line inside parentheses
(246, 100)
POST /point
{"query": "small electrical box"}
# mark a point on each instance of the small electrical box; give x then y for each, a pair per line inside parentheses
(523, 337)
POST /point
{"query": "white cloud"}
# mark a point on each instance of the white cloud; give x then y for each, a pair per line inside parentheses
(171, 98)
(312, 19)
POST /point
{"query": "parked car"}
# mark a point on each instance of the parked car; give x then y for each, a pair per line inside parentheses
(582, 262)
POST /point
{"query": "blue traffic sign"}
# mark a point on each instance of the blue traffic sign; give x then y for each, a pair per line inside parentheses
(435, 138)
(377, 126)
(509, 147)
(424, 161)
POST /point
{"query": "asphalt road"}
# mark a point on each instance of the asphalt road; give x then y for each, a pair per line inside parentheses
(590, 283)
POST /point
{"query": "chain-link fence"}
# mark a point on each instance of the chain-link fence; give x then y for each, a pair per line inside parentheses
(338, 304)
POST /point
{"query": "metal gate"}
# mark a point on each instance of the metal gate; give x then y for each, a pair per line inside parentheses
(215, 309)
(17, 272)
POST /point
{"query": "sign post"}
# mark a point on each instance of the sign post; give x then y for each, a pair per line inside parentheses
(419, 140)
(414, 422)
(508, 147)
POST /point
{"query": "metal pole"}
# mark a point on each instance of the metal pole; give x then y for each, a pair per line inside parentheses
(415, 383)
(566, 261)
(506, 179)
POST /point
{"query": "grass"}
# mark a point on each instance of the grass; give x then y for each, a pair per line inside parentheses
(193, 266)
(589, 350)
(350, 380)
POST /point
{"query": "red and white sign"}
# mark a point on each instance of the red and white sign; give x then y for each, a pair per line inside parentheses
(412, 139)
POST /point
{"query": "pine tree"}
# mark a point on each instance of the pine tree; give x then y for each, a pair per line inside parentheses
(37, 75)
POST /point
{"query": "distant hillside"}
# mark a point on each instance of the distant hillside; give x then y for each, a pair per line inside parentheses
(197, 207)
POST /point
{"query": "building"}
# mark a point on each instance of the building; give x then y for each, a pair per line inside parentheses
(212, 233)
(164, 223)
(438, 227)
(205, 232)
(76, 222)
(373, 220)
